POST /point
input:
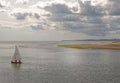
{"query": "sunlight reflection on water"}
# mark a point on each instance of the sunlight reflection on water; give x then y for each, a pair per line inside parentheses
(51, 64)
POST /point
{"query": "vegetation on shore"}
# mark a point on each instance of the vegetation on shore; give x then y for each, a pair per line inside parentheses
(103, 45)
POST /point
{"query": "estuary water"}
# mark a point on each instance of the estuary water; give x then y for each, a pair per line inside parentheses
(45, 62)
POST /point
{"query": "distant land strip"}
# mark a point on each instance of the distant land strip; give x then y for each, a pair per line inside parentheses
(102, 45)
(116, 40)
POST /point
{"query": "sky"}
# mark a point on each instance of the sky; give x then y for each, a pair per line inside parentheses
(55, 20)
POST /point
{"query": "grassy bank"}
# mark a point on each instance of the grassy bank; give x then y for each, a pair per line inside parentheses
(112, 45)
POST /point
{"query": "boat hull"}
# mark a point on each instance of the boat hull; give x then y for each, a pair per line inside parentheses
(16, 62)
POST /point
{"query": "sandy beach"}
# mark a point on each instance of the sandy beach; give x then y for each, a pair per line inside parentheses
(100, 45)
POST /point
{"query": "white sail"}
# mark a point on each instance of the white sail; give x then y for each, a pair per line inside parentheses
(16, 56)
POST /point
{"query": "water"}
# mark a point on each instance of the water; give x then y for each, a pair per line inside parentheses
(44, 62)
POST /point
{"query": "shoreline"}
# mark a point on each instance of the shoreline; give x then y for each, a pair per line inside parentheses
(101, 45)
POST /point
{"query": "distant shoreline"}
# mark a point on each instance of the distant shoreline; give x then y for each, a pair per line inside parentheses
(100, 45)
(112, 40)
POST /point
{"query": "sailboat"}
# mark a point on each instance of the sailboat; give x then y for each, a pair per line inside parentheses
(16, 58)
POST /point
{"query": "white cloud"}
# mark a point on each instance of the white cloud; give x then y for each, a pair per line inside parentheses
(22, 1)
(89, 21)
(98, 18)
(4, 4)
(22, 14)
(43, 4)
(44, 26)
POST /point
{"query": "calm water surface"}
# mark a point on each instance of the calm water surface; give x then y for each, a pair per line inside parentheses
(44, 62)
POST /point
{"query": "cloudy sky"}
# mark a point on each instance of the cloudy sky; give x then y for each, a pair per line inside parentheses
(49, 20)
